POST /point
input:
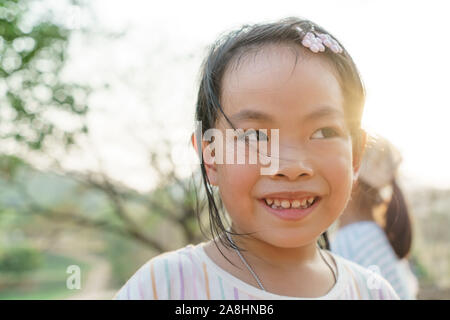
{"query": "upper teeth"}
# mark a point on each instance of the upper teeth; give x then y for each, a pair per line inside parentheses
(286, 204)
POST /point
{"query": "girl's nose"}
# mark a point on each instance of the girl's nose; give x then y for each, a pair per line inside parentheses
(293, 165)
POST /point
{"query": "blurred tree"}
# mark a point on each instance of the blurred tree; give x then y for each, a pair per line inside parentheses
(173, 201)
(32, 90)
(33, 96)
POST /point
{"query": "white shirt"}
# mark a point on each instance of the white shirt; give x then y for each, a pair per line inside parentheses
(189, 273)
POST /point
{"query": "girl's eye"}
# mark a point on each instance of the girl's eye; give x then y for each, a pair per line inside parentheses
(327, 132)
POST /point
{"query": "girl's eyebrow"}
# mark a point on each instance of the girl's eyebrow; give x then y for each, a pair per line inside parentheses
(247, 114)
(322, 112)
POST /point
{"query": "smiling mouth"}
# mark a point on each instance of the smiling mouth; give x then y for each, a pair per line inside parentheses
(291, 209)
(303, 203)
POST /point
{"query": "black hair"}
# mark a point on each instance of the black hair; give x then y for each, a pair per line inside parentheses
(398, 224)
(230, 48)
(395, 220)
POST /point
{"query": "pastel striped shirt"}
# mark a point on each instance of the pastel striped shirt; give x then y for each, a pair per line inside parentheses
(189, 273)
(366, 244)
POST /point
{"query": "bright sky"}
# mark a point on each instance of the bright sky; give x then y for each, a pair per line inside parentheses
(400, 47)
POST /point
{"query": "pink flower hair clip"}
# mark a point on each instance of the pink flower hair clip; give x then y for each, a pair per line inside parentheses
(318, 41)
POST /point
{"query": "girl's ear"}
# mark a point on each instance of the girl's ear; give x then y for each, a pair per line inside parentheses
(358, 154)
(207, 158)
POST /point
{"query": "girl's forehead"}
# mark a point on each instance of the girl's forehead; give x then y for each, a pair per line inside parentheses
(280, 77)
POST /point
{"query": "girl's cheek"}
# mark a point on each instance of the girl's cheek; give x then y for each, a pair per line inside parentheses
(335, 163)
(239, 176)
(340, 177)
(235, 184)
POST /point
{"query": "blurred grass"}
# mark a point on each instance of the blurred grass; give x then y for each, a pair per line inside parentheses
(45, 283)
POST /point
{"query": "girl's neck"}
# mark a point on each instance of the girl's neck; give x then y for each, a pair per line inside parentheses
(275, 258)
(285, 271)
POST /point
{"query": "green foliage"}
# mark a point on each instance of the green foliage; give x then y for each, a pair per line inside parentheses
(9, 166)
(19, 259)
(32, 58)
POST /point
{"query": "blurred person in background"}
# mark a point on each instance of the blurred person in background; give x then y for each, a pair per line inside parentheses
(375, 229)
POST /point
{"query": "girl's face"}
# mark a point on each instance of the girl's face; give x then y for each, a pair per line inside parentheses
(270, 90)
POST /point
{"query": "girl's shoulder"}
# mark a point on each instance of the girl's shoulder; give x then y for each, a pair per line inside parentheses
(155, 278)
(364, 283)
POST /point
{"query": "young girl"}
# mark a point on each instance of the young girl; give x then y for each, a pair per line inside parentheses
(291, 84)
(375, 231)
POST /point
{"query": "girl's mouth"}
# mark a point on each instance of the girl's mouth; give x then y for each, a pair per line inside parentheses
(291, 209)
